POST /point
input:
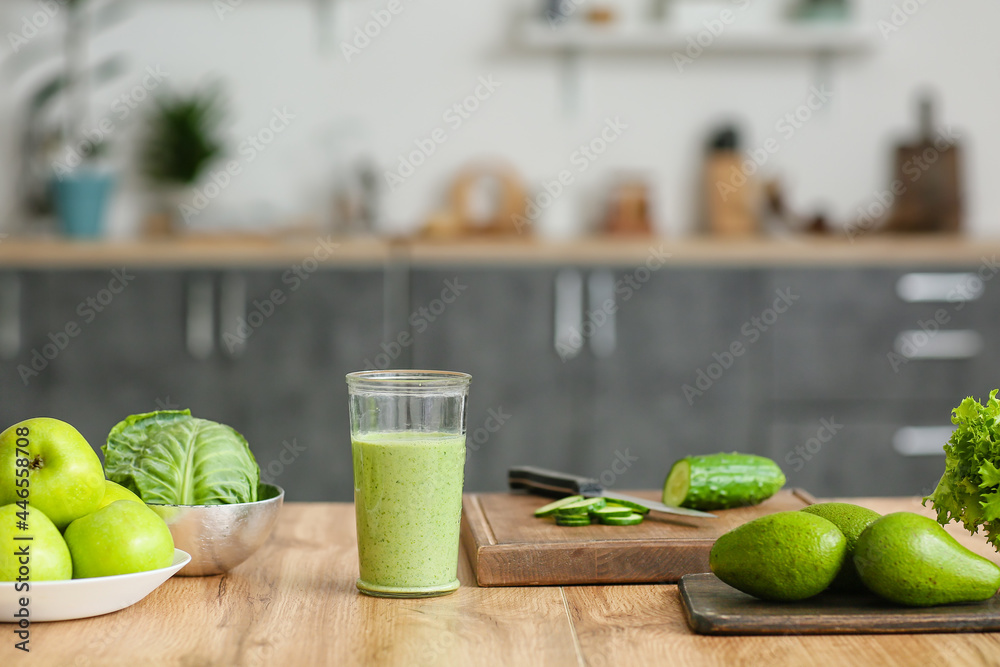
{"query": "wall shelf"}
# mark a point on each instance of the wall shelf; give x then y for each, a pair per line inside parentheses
(788, 39)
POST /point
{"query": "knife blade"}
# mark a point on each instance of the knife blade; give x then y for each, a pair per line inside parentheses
(558, 484)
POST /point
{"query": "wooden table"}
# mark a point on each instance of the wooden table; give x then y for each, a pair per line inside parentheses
(294, 604)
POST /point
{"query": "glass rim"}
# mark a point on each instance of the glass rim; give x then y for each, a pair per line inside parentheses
(410, 378)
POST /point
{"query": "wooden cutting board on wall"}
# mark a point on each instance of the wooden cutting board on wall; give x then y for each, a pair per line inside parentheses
(508, 546)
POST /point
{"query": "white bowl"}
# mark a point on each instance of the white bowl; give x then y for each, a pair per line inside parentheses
(82, 598)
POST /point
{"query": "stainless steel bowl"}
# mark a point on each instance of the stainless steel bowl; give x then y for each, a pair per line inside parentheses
(220, 537)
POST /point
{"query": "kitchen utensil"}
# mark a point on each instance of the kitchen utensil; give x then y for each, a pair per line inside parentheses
(926, 182)
(559, 485)
(508, 546)
(220, 537)
(715, 608)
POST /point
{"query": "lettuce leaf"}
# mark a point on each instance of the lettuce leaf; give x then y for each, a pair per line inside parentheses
(171, 458)
(969, 490)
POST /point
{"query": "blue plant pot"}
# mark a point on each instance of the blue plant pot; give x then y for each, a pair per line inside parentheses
(81, 200)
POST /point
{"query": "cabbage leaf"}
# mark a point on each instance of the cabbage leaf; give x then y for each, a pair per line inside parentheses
(171, 458)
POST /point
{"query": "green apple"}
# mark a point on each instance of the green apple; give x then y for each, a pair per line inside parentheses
(47, 557)
(66, 480)
(122, 538)
(113, 492)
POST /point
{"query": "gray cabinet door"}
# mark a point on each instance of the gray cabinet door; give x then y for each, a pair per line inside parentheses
(526, 406)
(95, 345)
(286, 390)
(685, 374)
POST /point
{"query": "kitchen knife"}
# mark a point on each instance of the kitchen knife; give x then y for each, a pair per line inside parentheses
(558, 485)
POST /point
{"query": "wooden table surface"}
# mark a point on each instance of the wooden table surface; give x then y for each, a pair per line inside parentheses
(294, 603)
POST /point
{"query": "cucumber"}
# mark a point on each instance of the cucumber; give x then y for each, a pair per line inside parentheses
(580, 506)
(630, 520)
(721, 481)
(573, 520)
(607, 511)
(550, 509)
(635, 507)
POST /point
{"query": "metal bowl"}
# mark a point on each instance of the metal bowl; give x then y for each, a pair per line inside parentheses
(220, 537)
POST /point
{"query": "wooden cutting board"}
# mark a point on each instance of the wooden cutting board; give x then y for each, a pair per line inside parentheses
(715, 608)
(508, 546)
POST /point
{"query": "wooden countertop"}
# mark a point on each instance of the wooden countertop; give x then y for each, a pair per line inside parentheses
(294, 603)
(250, 251)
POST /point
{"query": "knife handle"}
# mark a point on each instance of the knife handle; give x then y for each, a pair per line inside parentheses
(553, 484)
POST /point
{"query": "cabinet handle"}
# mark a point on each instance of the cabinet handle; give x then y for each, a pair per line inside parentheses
(921, 440)
(199, 333)
(601, 314)
(945, 287)
(568, 309)
(232, 312)
(10, 316)
(950, 344)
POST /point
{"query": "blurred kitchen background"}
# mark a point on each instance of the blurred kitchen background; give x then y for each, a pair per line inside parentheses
(648, 228)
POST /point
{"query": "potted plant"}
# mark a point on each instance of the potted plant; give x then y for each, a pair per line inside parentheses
(182, 140)
(62, 148)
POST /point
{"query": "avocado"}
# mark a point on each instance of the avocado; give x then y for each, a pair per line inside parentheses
(852, 521)
(910, 559)
(781, 556)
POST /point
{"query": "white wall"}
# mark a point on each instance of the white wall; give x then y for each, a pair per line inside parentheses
(269, 55)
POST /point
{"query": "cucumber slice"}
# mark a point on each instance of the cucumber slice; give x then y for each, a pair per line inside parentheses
(581, 506)
(610, 511)
(550, 509)
(573, 520)
(635, 507)
(721, 481)
(630, 520)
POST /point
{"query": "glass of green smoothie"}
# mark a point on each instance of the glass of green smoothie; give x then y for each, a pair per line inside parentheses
(408, 449)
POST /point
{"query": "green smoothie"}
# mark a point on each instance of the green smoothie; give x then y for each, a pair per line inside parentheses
(408, 502)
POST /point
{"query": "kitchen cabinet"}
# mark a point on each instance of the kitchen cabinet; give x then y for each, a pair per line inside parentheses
(284, 389)
(686, 359)
(859, 349)
(673, 386)
(620, 412)
(526, 406)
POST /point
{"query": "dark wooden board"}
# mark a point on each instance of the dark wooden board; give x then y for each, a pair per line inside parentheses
(715, 608)
(508, 546)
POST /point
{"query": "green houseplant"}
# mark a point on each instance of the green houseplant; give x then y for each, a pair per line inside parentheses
(182, 141)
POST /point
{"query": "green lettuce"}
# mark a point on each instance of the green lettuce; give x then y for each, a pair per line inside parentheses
(171, 458)
(969, 490)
